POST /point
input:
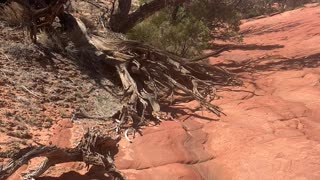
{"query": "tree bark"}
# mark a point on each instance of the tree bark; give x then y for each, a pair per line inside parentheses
(122, 21)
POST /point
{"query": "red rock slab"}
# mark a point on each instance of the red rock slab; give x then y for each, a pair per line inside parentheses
(171, 144)
(271, 130)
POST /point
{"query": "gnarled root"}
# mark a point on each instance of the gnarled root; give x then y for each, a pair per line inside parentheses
(95, 149)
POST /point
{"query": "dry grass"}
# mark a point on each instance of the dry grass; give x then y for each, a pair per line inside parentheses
(50, 40)
(13, 13)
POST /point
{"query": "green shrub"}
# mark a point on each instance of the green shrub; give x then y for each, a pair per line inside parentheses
(186, 30)
(186, 37)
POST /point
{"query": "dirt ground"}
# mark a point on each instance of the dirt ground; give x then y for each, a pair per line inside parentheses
(41, 91)
(270, 131)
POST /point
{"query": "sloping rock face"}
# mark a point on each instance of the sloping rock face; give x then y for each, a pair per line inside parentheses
(272, 127)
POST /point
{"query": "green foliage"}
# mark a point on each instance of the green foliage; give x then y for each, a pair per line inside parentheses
(253, 8)
(187, 30)
(186, 37)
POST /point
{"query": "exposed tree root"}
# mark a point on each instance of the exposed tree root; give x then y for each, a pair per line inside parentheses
(151, 76)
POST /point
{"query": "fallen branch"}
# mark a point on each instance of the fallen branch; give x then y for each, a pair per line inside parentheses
(214, 109)
(95, 149)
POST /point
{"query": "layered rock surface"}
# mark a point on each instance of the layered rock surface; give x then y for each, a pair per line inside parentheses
(271, 130)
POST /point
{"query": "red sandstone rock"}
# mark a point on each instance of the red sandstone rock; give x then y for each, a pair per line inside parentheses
(272, 127)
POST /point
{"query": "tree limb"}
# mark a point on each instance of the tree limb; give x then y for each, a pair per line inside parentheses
(94, 149)
(122, 22)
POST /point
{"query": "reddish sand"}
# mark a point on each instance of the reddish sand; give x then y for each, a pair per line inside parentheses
(272, 127)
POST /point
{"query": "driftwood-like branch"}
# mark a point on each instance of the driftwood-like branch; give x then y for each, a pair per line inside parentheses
(95, 149)
(149, 75)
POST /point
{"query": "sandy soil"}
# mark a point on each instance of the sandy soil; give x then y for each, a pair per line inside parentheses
(40, 91)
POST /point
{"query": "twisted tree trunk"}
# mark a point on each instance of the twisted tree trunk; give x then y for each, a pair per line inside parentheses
(122, 21)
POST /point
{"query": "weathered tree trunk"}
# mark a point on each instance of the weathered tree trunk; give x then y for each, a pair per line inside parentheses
(122, 21)
(121, 15)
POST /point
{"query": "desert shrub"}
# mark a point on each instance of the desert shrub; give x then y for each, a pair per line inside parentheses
(186, 37)
(253, 8)
(186, 30)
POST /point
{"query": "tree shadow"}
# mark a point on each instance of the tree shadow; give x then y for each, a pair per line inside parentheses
(271, 29)
(178, 110)
(247, 46)
(73, 175)
(93, 173)
(273, 64)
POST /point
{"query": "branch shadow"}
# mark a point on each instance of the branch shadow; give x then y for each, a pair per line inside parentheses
(271, 29)
(177, 110)
(273, 64)
(73, 175)
(247, 46)
(93, 173)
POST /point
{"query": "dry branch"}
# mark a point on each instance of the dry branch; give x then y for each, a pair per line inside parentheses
(149, 75)
(95, 149)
